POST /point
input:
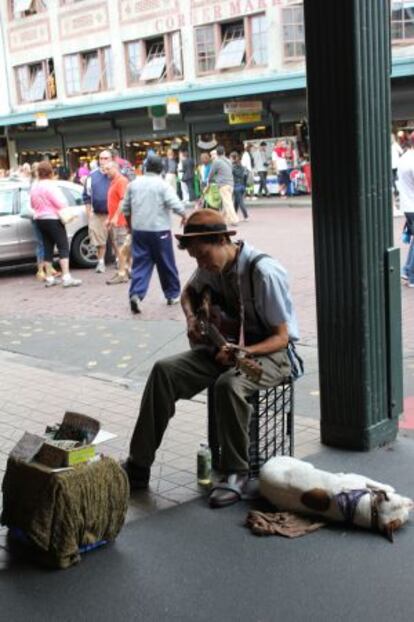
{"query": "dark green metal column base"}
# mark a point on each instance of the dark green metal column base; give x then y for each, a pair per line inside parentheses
(360, 439)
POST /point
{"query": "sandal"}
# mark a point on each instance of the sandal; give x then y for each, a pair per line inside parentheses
(228, 491)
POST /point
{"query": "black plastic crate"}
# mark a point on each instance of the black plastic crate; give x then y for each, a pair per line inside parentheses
(271, 426)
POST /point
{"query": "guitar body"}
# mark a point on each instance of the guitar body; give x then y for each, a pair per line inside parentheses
(218, 329)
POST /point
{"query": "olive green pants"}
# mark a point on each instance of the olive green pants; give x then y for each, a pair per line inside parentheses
(183, 376)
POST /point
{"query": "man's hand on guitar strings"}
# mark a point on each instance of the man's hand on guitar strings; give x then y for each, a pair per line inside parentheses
(194, 330)
(226, 356)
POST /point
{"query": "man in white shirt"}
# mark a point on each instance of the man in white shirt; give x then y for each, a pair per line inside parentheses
(406, 187)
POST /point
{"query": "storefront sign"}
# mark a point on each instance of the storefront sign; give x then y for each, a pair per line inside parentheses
(159, 123)
(41, 119)
(155, 112)
(173, 105)
(238, 119)
(206, 11)
(243, 107)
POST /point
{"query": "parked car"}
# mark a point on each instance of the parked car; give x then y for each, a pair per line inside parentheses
(17, 238)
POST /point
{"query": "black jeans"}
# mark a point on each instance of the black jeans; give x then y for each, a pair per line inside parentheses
(53, 233)
(262, 183)
(238, 198)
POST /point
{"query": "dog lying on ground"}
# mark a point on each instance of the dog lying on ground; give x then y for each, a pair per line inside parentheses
(297, 486)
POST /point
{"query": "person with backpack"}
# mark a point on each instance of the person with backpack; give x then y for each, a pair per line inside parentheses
(240, 181)
(221, 173)
(254, 313)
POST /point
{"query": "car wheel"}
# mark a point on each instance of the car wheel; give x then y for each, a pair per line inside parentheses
(83, 252)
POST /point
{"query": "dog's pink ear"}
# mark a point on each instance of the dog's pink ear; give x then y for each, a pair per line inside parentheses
(391, 527)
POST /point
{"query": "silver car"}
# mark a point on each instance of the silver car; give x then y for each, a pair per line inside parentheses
(17, 237)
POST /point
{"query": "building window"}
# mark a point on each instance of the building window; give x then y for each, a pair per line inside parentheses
(25, 8)
(155, 59)
(259, 30)
(89, 72)
(154, 66)
(205, 49)
(35, 81)
(231, 45)
(402, 21)
(293, 32)
(135, 56)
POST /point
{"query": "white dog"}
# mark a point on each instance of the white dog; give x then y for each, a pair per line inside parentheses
(297, 486)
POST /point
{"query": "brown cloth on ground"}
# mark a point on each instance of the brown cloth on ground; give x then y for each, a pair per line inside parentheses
(62, 511)
(281, 523)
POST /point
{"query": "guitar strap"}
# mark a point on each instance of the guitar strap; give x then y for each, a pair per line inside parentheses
(252, 266)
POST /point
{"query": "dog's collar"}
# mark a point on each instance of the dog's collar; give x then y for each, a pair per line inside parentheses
(347, 503)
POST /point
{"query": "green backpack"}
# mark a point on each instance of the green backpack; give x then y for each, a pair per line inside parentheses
(212, 197)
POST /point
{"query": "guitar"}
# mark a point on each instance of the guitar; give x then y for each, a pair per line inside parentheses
(219, 330)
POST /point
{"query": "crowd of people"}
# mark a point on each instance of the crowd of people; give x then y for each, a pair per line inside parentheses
(131, 213)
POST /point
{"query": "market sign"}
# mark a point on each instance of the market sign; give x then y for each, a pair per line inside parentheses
(173, 105)
(158, 114)
(243, 107)
(238, 119)
(41, 119)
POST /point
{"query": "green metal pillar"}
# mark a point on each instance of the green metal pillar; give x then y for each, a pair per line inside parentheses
(357, 270)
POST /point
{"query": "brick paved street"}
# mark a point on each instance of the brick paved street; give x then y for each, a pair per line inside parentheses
(81, 349)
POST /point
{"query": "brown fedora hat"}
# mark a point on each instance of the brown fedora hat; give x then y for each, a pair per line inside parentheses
(205, 222)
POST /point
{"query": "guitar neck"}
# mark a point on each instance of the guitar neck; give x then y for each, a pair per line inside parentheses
(211, 331)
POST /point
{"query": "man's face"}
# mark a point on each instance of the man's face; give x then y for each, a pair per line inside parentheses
(109, 170)
(210, 257)
(104, 158)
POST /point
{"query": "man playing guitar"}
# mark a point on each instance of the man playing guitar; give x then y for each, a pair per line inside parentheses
(235, 285)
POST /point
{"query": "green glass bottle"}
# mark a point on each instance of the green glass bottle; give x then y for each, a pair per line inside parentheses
(204, 465)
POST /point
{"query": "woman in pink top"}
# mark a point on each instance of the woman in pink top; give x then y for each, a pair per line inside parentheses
(47, 201)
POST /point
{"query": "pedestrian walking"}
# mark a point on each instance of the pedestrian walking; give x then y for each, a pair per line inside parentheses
(240, 180)
(247, 160)
(47, 202)
(396, 153)
(95, 196)
(204, 169)
(186, 168)
(147, 206)
(406, 188)
(261, 163)
(116, 221)
(221, 173)
(170, 165)
(280, 158)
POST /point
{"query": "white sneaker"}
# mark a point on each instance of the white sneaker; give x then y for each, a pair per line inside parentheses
(51, 281)
(71, 282)
(173, 301)
(100, 268)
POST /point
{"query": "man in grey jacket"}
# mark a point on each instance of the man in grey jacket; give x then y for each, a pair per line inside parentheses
(147, 206)
(221, 173)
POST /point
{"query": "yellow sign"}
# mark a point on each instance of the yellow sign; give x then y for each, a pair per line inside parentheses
(238, 119)
(173, 105)
(41, 119)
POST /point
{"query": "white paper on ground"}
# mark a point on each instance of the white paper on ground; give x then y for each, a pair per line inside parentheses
(103, 436)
